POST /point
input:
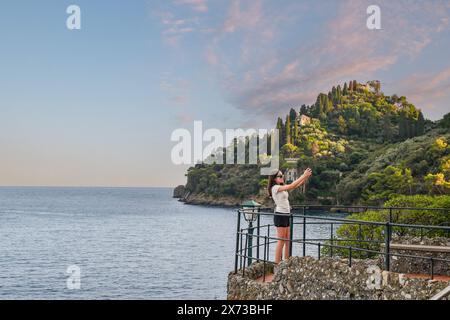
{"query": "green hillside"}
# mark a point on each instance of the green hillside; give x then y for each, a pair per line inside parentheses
(363, 146)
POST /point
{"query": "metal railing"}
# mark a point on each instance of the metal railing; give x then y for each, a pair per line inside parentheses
(442, 294)
(333, 245)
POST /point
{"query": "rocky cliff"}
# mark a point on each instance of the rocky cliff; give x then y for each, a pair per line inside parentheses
(306, 278)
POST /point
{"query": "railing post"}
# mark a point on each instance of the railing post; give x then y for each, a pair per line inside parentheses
(237, 241)
(318, 251)
(265, 258)
(387, 246)
(245, 253)
(250, 243)
(432, 268)
(240, 250)
(258, 225)
(304, 233)
(331, 240)
(349, 256)
(291, 232)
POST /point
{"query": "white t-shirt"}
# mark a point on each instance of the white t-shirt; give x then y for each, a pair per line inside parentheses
(281, 200)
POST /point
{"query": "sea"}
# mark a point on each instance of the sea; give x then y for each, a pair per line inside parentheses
(114, 243)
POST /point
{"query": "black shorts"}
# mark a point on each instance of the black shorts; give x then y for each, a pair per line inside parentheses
(282, 219)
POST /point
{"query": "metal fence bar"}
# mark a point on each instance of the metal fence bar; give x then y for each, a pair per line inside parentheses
(291, 233)
(245, 254)
(387, 246)
(258, 226)
(304, 233)
(240, 251)
(237, 241)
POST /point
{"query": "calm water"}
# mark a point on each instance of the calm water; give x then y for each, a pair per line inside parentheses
(129, 243)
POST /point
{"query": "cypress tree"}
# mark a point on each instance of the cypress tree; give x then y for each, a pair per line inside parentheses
(345, 90)
(295, 133)
(288, 129)
(292, 115)
(281, 130)
(338, 94)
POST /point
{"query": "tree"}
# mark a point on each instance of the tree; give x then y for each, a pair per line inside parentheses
(289, 150)
(288, 129)
(281, 131)
(292, 115)
(390, 182)
(445, 122)
(303, 109)
(402, 124)
(338, 94)
(342, 125)
(387, 128)
(437, 182)
(345, 90)
(420, 124)
(295, 133)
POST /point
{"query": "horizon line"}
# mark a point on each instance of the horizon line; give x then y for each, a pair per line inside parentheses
(68, 186)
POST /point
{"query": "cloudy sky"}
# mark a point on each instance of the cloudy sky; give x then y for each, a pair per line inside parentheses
(97, 106)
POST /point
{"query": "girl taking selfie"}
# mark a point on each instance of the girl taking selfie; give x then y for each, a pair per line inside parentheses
(278, 191)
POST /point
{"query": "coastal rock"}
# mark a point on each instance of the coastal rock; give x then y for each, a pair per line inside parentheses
(222, 201)
(179, 192)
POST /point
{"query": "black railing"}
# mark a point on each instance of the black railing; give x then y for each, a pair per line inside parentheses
(333, 245)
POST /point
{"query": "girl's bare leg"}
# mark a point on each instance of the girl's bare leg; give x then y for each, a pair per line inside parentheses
(286, 243)
(279, 247)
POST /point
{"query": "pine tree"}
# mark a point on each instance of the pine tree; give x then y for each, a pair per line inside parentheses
(303, 109)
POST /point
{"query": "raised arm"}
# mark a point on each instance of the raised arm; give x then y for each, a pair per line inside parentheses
(305, 176)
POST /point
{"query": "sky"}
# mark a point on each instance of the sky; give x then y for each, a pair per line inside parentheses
(97, 106)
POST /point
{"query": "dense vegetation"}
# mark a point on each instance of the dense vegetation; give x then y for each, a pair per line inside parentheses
(371, 236)
(363, 147)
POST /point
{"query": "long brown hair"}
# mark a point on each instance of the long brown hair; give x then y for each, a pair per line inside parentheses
(272, 182)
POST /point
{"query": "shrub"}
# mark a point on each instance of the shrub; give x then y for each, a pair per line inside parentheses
(370, 237)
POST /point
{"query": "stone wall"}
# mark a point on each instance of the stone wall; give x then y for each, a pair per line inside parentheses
(306, 278)
(414, 265)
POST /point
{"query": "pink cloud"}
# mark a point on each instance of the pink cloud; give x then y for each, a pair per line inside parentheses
(270, 70)
(241, 18)
(197, 5)
(428, 91)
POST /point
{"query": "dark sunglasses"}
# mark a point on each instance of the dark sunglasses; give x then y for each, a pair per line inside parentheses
(279, 176)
